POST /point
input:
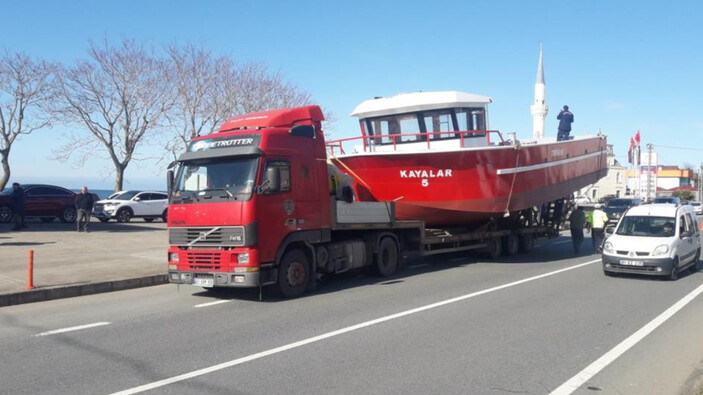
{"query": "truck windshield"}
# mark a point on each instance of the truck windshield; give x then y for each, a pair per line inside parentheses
(216, 179)
(646, 226)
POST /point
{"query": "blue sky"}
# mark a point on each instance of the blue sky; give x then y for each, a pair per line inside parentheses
(620, 66)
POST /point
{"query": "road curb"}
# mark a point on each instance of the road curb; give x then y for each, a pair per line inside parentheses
(69, 291)
(694, 383)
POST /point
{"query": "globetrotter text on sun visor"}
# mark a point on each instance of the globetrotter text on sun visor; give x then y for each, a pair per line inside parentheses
(225, 142)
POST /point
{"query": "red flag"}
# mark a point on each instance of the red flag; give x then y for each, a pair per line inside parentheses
(637, 137)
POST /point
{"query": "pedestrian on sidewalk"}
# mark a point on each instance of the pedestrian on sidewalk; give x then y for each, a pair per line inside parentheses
(600, 218)
(17, 203)
(577, 220)
(566, 118)
(84, 207)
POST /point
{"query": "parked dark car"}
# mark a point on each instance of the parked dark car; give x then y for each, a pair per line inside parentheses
(617, 207)
(667, 199)
(44, 201)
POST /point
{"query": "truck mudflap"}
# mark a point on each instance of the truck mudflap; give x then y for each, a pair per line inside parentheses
(222, 279)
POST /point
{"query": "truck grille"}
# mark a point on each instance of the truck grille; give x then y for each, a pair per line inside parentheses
(230, 236)
(204, 260)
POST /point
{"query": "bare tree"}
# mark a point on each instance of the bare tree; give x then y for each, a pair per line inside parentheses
(26, 88)
(119, 94)
(210, 89)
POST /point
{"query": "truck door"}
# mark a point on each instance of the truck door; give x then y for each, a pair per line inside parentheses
(276, 206)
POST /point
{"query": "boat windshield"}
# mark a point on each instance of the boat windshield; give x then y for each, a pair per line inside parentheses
(415, 127)
(646, 226)
(216, 179)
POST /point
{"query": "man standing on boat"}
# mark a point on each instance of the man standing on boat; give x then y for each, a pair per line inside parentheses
(566, 118)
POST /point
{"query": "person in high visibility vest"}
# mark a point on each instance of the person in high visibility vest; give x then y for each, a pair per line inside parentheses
(600, 218)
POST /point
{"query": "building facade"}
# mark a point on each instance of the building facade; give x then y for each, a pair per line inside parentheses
(614, 184)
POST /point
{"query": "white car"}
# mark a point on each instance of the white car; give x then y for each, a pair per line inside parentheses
(653, 239)
(126, 205)
(582, 200)
(697, 206)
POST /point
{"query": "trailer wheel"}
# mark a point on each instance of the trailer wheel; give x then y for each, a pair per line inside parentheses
(526, 243)
(494, 247)
(510, 245)
(386, 260)
(293, 274)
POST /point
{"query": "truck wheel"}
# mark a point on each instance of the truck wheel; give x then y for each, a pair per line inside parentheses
(124, 215)
(5, 214)
(526, 243)
(493, 246)
(386, 260)
(510, 245)
(293, 274)
(68, 215)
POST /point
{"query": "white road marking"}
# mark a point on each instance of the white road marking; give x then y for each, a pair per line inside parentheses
(211, 303)
(252, 357)
(73, 328)
(591, 370)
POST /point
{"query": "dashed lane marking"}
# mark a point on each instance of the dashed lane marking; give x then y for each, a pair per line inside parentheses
(211, 303)
(73, 328)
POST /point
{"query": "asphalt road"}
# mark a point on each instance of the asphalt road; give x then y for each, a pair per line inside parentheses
(452, 324)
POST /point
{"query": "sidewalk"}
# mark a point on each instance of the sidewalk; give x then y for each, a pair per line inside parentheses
(111, 257)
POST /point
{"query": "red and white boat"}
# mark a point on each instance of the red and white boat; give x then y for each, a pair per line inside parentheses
(433, 154)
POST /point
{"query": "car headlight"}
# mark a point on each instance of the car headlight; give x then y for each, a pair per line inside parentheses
(661, 250)
(608, 247)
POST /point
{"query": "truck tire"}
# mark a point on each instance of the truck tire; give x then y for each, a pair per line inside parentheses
(6, 214)
(68, 215)
(386, 260)
(526, 243)
(511, 243)
(123, 215)
(293, 273)
(493, 247)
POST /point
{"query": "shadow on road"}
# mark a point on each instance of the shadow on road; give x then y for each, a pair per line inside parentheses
(26, 243)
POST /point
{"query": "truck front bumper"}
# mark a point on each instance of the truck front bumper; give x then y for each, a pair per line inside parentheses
(222, 279)
(646, 266)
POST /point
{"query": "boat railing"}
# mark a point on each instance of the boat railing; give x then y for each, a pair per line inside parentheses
(393, 142)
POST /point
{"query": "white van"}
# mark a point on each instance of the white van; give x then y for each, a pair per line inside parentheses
(653, 239)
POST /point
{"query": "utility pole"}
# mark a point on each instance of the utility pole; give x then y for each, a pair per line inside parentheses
(650, 147)
(700, 183)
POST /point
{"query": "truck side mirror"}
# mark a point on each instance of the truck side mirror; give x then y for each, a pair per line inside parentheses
(272, 181)
(303, 131)
(169, 182)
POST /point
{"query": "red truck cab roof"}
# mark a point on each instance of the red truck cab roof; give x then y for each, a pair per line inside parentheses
(286, 117)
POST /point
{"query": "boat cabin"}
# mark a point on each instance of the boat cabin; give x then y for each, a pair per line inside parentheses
(424, 120)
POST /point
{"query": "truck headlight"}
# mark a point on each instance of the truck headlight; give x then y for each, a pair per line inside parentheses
(608, 247)
(243, 257)
(661, 250)
(173, 257)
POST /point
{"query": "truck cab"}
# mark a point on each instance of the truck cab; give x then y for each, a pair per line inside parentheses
(238, 198)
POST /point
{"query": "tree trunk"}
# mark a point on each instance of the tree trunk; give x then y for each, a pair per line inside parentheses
(5, 160)
(119, 177)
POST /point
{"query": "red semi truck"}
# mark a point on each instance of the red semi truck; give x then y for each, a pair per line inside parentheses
(253, 205)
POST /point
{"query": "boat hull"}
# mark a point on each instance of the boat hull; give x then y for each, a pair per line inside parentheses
(469, 185)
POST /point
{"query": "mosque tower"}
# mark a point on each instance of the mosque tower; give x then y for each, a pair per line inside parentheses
(540, 108)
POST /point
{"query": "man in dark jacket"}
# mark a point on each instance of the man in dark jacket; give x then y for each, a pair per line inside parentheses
(84, 206)
(17, 199)
(566, 118)
(577, 220)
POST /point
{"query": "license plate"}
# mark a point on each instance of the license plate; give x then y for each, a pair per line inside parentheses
(631, 263)
(204, 282)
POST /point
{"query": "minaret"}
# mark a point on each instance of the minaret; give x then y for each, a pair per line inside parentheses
(540, 108)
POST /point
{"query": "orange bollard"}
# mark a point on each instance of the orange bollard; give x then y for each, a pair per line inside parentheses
(30, 270)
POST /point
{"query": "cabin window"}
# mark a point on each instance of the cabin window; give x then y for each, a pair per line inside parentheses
(438, 122)
(388, 129)
(471, 119)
